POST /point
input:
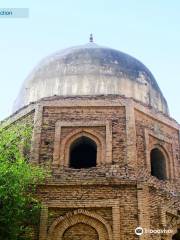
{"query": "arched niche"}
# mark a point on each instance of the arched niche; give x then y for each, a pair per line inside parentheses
(159, 163)
(60, 226)
(90, 138)
(80, 231)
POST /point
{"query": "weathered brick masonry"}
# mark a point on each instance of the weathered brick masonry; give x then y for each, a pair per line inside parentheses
(110, 200)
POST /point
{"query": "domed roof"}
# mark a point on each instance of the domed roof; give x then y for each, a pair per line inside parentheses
(92, 70)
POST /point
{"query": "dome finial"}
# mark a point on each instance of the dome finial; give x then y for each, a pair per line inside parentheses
(91, 38)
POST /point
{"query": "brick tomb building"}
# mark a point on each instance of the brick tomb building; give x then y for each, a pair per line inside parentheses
(102, 123)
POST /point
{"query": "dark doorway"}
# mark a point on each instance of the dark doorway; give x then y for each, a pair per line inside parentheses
(158, 164)
(177, 235)
(83, 153)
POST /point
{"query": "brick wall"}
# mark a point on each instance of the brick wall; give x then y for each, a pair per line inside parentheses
(165, 136)
(116, 197)
(85, 114)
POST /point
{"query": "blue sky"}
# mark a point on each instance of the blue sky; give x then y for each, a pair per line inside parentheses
(146, 29)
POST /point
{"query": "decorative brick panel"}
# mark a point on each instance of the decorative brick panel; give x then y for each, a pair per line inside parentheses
(89, 129)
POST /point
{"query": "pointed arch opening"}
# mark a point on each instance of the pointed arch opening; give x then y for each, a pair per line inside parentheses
(158, 164)
(83, 153)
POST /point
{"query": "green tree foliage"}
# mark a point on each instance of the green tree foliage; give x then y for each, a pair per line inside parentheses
(177, 235)
(19, 210)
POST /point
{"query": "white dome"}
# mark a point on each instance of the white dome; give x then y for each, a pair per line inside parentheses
(91, 70)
